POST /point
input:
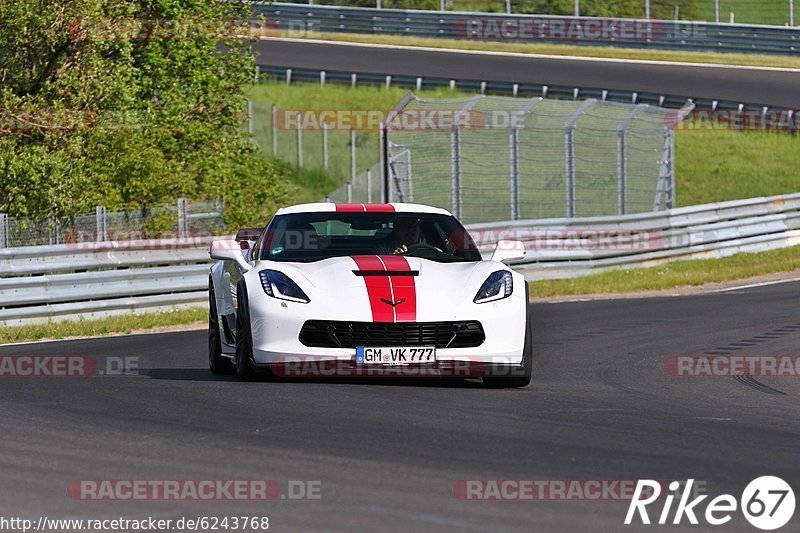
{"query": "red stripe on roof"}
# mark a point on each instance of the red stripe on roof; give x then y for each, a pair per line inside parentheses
(369, 208)
(350, 207)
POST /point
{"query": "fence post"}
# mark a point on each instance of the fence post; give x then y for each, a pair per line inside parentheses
(647, 9)
(570, 156)
(274, 130)
(369, 186)
(791, 13)
(622, 158)
(325, 146)
(3, 230)
(349, 192)
(508, 7)
(100, 217)
(299, 143)
(384, 161)
(250, 121)
(352, 154)
(513, 154)
(716, 11)
(183, 226)
(455, 161)
(577, 8)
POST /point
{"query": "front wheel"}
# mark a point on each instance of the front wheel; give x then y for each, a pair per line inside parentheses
(217, 363)
(244, 336)
(521, 375)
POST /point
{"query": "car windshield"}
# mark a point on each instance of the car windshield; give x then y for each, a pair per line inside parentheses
(305, 237)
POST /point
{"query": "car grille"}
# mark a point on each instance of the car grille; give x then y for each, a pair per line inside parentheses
(337, 334)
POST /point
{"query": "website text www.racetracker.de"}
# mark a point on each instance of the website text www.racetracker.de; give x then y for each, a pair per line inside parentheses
(199, 523)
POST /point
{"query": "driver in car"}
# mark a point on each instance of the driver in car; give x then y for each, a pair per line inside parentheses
(405, 234)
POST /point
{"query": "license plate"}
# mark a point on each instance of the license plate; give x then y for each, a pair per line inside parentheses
(400, 355)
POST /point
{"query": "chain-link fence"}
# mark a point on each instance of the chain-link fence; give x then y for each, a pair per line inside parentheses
(497, 158)
(343, 143)
(183, 219)
(772, 12)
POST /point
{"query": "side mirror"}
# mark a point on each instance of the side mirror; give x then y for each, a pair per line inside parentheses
(229, 251)
(508, 251)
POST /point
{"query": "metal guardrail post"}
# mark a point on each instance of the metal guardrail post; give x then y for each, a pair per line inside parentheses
(183, 221)
(570, 153)
(100, 223)
(369, 186)
(274, 130)
(3, 230)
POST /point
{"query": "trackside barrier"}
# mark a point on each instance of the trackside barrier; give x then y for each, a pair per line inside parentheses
(97, 279)
(67, 282)
(571, 247)
(299, 19)
(290, 75)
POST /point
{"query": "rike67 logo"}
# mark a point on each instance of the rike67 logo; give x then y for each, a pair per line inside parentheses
(767, 503)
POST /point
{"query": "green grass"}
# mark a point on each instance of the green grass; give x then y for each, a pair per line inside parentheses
(673, 275)
(715, 166)
(755, 60)
(774, 12)
(104, 326)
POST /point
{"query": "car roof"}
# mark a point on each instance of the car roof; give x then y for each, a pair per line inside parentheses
(323, 207)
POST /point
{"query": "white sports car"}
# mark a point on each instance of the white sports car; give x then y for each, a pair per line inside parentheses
(364, 288)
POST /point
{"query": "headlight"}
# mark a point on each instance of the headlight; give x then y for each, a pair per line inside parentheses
(497, 286)
(279, 285)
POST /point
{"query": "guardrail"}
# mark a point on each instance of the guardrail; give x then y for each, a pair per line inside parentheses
(289, 74)
(571, 247)
(630, 33)
(66, 282)
(97, 279)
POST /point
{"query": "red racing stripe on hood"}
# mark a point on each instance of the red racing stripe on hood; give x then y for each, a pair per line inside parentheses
(403, 287)
(378, 288)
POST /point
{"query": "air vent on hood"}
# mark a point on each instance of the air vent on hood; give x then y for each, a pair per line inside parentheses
(386, 272)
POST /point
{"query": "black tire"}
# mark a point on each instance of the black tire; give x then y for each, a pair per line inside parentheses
(217, 363)
(522, 376)
(244, 336)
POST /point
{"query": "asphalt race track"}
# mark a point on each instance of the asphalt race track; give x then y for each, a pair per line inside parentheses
(387, 454)
(769, 87)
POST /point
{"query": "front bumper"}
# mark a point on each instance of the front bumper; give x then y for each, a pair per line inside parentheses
(276, 326)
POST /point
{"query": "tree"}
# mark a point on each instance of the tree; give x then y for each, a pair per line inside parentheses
(125, 103)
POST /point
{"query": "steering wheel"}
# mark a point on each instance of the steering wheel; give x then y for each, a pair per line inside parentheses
(423, 247)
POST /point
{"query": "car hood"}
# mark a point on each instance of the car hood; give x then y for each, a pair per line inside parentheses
(435, 289)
